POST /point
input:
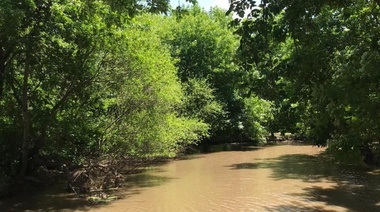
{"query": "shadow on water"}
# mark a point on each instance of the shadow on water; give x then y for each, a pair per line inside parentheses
(356, 188)
(298, 208)
(241, 147)
(55, 199)
(189, 157)
(144, 180)
(227, 148)
(52, 199)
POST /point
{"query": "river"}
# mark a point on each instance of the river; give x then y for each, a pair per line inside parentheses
(276, 178)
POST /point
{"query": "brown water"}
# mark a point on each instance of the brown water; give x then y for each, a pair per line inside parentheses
(278, 178)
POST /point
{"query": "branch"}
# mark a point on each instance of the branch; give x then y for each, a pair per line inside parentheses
(71, 90)
(15, 93)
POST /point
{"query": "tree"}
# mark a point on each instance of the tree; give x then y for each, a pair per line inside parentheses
(200, 103)
(53, 60)
(331, 47)
(256, 115)
(143, 118)
(55, 57)
(205, 48)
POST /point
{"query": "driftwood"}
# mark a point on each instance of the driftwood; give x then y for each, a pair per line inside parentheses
(103, 174)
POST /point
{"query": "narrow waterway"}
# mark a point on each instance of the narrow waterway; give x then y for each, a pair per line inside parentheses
(277, 178)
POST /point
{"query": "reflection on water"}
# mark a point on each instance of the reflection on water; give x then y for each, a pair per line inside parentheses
(53, 199)
(277, 178)
(226, 147)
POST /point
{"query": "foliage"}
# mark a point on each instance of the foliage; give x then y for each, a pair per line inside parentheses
(200, 103)
(74, 74)
(331, 53)
(143, 118)
(256, 116)
(205, 48)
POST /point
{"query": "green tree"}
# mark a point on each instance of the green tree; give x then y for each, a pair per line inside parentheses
(331, 54)
(57, 53)
(200, 103)
(255, 120)
(58, 63)
(205, 48)
(143, 118)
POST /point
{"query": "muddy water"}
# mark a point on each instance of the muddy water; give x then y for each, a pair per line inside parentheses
(278, 178)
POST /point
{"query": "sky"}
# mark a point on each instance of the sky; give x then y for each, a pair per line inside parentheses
(206, 4)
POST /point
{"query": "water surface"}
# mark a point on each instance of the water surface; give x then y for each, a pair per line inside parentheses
(277, 178)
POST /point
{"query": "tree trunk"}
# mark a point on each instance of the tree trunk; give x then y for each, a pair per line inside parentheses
(2, 71)
(4, 60)
(25, 122)
(2, 75)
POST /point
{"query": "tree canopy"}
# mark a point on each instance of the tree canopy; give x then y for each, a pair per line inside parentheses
(320, 59)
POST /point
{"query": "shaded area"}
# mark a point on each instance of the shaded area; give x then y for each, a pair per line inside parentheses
(189, 157)
(56, 199)
(52, 199)
(144, 180)
(209, 148)
(297, 208)
(357, 188)
(298, 166)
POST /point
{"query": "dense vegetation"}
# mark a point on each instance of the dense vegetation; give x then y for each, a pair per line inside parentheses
(317, 61)
(82, 80)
